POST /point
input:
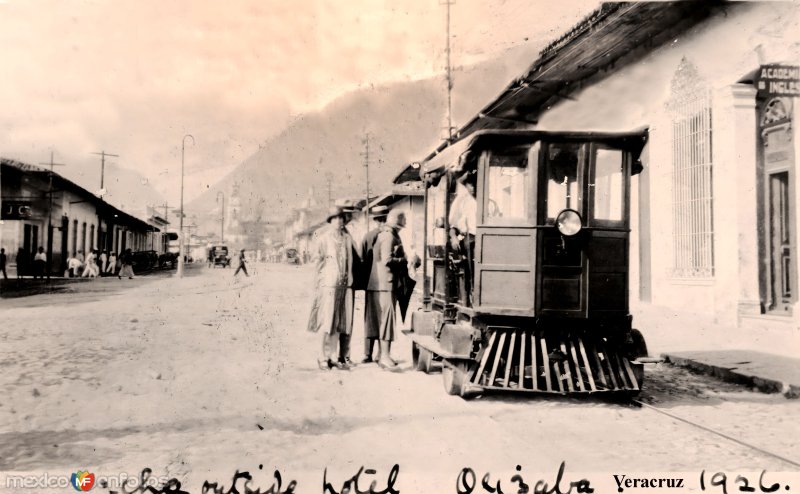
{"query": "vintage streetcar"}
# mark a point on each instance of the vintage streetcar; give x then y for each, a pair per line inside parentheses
(526, 267)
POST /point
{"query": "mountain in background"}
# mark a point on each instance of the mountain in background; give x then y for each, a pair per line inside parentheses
(405, 122)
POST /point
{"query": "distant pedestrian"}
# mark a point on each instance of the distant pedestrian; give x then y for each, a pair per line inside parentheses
(22, 262)
(73, 266)
(103, 262)
(127, 265)
(90, 269)
(3, 263)
(39, 263)
(112, 263)
(242, 266)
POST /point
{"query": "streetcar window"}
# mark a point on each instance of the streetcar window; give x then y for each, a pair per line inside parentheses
(563, 187)
(436, 196)
(608, 180)
(508, 186)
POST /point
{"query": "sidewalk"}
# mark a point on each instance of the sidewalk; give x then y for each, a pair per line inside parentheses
(765, 359)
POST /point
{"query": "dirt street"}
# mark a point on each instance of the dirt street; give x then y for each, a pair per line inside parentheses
(198, 377)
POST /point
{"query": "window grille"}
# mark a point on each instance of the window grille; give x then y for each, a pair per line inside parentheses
(692, 181)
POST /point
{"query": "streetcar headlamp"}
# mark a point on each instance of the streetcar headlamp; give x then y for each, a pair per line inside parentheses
(568, 222)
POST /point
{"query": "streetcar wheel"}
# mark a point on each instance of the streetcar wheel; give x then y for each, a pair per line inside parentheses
(455, 378)
(425, 360)
(636, 344)
(452, 380)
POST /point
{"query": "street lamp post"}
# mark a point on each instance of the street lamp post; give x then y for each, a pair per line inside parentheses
(222, 217)
(180, 233)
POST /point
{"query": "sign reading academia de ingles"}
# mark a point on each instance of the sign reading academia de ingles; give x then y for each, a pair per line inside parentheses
(778, 80)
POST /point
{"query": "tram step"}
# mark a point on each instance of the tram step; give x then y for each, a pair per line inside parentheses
(528, 360)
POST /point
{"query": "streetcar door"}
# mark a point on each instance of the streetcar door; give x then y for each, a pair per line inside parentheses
(505, 243)
(584, 274)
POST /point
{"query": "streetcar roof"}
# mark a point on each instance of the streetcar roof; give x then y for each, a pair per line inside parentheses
(450, 158)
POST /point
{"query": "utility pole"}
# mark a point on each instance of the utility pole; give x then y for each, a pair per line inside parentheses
(166, 220)
(222, 217)
(329, 179)
(180, 235)
(448, 3)
(103, 155)
(365, 154)
(50, 215)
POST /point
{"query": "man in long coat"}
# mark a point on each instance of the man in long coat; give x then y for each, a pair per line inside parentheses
(372, 306)
(387, 256)
(332, 311)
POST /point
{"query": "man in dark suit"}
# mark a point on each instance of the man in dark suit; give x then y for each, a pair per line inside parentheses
(372, 309)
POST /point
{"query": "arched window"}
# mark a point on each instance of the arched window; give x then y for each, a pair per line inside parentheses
(692, 173)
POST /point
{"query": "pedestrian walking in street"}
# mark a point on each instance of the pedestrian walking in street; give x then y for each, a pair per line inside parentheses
(388, 263)
(22, 262)
(112, 264)
(103, 262)
(3, 263)
(372, 306)
(127, 265)
(90, 269)
(39, 263)
(242, 266)
(73, 266)
(332, 309)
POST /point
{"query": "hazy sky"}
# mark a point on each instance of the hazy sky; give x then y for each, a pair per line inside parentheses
(132, 77)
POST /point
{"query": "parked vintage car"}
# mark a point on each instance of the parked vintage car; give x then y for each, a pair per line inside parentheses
(293, 256)
(220, 255)
(144, 260)
(168, 259)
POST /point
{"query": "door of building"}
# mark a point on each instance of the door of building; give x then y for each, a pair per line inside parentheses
(64, 247)
(779, 211)
(30, 243)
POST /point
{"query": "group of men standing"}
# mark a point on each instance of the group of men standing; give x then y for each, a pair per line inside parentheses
(378, 266)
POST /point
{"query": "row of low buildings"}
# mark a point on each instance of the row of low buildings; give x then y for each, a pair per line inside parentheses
(714, 214)
(40, 208)
(305, 220)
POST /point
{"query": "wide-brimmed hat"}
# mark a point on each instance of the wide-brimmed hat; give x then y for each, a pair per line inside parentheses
(346, 205)
(379, 211)
(333, 212)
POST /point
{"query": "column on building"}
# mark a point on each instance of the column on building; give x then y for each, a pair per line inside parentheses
(738, 103)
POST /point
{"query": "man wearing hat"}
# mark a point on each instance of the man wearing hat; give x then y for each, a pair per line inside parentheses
(332, 310)
(348, 208)
(463, 221)
(372, 307)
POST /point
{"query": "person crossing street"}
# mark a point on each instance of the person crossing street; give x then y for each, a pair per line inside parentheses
(242, 266)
